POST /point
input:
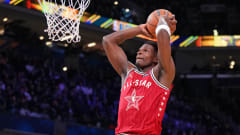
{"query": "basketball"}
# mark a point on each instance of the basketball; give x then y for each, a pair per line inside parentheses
(153, 18)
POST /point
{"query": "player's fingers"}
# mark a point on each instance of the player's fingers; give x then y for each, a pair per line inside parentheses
(174, 21)
(145, 30)
(166, 14)
(147, 33)
(172, 17)
(143, 25)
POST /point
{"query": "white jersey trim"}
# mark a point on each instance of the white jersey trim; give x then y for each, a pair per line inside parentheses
(139, 72)
(129, 72)
(157, 82)
(126, 77)
(132, 64)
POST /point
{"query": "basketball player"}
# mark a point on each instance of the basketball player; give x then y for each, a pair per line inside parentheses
(146, 86)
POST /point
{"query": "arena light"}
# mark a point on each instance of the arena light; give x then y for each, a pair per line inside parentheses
(194, 38)
(115, 3)
(215, 32)
(189, 39)
(5, 19)
(41, 37)
(93, 18)
(91, 44)
(174, 38)
(49, 43)
(67, 37)
(127, 10)
(65, 68)
(232, 62)
(17, 2)
(107, 23)
(2, 31)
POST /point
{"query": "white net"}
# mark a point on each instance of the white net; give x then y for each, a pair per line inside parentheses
(63, 18)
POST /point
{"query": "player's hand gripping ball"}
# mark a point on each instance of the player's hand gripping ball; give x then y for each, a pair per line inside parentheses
(153, 18)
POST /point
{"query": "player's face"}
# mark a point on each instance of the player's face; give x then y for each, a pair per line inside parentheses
(145, 56)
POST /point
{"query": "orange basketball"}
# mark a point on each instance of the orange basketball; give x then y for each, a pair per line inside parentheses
(153, 18)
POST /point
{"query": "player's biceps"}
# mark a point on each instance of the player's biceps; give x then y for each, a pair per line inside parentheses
(167, 65)
(164, 60)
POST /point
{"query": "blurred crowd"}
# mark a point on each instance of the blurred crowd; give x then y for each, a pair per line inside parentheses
(38, 87)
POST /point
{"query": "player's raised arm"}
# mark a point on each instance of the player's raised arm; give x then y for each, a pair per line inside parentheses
(163, 34)
(115, 54)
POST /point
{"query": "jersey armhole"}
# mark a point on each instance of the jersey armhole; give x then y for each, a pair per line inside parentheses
(157, 82)
(125, 78)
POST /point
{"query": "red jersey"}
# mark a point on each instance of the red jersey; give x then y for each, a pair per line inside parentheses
(142, 104)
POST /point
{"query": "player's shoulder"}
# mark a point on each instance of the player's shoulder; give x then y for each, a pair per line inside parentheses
(131, 65)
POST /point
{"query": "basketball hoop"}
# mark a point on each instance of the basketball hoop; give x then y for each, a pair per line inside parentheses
(63, 18)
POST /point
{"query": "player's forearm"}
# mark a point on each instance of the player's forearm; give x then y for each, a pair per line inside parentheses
(164, 49)
(120, 36)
